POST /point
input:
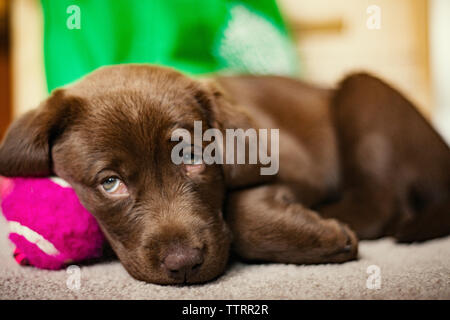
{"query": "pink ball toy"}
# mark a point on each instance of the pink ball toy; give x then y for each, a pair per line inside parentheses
(47, 223)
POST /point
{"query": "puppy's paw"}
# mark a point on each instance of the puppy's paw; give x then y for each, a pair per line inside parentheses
(345, 246)
(350, 249)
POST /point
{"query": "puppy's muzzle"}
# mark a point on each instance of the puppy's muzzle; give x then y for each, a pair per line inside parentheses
(182, 263)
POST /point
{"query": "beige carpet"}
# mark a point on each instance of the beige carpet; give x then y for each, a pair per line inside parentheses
(418, 271)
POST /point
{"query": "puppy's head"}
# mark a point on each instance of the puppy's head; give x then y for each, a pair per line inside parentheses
(109, 136)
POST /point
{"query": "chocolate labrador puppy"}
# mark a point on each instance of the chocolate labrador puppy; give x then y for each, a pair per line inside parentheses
(356, 161)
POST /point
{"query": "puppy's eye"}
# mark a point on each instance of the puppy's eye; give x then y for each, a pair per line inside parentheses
(114, 186)
(192, 155)
(111, 184)
(191, 158)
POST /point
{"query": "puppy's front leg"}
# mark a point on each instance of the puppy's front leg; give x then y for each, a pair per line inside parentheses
(269, 225)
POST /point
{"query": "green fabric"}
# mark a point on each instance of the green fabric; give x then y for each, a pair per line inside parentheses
(194, 36)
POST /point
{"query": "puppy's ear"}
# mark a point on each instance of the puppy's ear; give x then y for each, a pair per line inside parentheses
(220, 110)
(26, 148)
(224, 113)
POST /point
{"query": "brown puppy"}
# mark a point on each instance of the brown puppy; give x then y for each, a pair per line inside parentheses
(358, 158)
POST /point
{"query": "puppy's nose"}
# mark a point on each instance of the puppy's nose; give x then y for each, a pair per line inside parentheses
(183, 263)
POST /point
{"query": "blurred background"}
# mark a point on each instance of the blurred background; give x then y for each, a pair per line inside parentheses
(48, 43)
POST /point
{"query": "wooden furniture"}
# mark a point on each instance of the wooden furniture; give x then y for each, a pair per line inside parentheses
(5, 75)
(333, 40)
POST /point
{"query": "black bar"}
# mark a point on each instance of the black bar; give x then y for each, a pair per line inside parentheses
(225, 309)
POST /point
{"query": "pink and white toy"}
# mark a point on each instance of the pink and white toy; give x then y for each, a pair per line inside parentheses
(47, 223)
